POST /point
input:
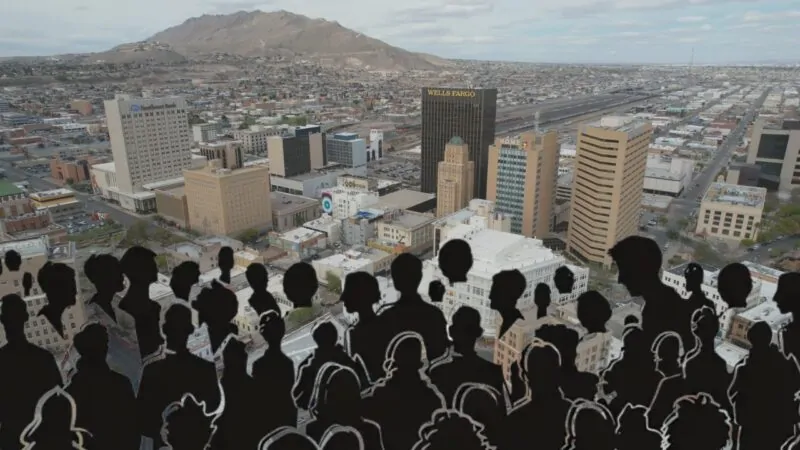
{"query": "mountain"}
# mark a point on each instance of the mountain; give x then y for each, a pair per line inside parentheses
(138, 52)
(258, 33)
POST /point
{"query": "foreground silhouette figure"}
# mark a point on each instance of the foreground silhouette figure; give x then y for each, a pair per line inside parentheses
(273, 374)
(261, 301)
(139, 265)
(105, 273)
(705, 371)
(187, 426)
(694, 275)
(27, 373)
(27, 283)
(58, 284)
(450, 429)
(172, 374)
(106, 405)
(184, 276)
(226, 263)
(361, 294)
(217, 307)
(541, 298)
(574, 383)
(300, 284)
(484, 405)
(637, 363)
(696, 422)
(787, 298)
(590, 426)
(336, 438)
(564, 280)
(507, 287)
(13, 261)
(455, 260)
(53, 425)
(633, 430)
(238, 426)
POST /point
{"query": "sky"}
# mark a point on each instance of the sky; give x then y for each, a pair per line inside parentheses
(578, 31)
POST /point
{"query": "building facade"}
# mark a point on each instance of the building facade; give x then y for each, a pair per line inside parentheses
(607, 186)
(254, 140)
(230, 153)
(731, 212)
(376, 143)
(775, 148)
(346, 149)
(455, 178)
(467, 113)
(205, 132)
(291, 211)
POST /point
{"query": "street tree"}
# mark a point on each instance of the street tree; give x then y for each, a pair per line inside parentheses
(334, 283)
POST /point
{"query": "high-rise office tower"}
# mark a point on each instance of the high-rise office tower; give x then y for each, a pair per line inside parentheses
(607, 186)
(775, 148)
(522, 181)
(455, 178)
(346, 149)
(150, 139)
(297, 153)
(467, 113)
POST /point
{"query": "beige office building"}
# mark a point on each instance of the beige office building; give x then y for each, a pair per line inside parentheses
(522, 181)
(228, 152)
(607, 186)
(775, 148)
(730, 211)
(223, 201)
(455, 178)
(254, 140)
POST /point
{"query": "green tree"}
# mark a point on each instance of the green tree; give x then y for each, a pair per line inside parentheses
(301, 316)
(69, 181)
(248, 236)
(161, 261)
(334, 283)
(747, 242)
(705, 254)
(138, 232)
(663, 220)
(672, 234)
(683, 223)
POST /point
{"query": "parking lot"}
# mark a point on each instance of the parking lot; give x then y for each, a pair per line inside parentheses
(81, 223)
(394, 169)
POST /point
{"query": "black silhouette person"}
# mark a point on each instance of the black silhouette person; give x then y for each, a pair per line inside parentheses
(225, 261)
(139, 265)
(787, 298)
(237, 427)
(564, 280)
(361, 294)
(57, 281)
(507, 287)
(187, 425)
(633, 430)
(697, 422)
(765, 381)
(13, 261)
(410, 312)
(172, 374)
(27, 373)
(405, 383)
(704, 370)
(462, 364)
(184, 276)
(436, 291)
(53, 425)
(337, 401)
(105, 401)
(637, 363)
(541, 298)
(575, 384)
(27, 283)
(262, 300)
(300, 284)
(694, 276)
(590, 426)
(449, 429)
(455, 260)
(105, 273)
(669, 352)
(287, 438)
(517, 383)
(217, 307)
(734, 284)
(273, 373)
(484, 404)
(328, 350)
(594, 311)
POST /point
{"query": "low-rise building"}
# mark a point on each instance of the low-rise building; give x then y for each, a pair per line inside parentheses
(667, 175)
(340, 265)
(291, 211)
(171, 204)
(731, 211)
(401, 231)
(299, 243)
(202, 251)
(764, 312)
(327, 225)
(58, 202)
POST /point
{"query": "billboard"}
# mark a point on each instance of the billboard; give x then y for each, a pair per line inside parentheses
(327, 203)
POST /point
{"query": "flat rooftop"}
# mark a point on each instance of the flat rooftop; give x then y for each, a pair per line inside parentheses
(736, 195)
(105, 167)
(625, 124)
(409, 219)
(44, 196)
(493, 251)
(404, 199)
(767, 312)
(300, 235)
(283, 202)
(8, 188)
(26, 248)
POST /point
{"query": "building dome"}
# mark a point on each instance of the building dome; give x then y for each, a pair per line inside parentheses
(455, 140)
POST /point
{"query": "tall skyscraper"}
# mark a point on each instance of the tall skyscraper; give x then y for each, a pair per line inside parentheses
(607, 187)
(297, 153)
(522, 181)
(775, 148)
(467, 113)
(455, 178)
(346, 149)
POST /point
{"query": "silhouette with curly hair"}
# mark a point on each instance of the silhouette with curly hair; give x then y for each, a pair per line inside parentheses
(53, 426)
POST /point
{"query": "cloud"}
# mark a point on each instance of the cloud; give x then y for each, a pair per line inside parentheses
(688, 40)
(706, 27)
(237, 5)
(689, 19)
(434, 12)
(630, 34)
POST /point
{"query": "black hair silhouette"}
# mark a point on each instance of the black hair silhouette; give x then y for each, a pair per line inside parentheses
(217, 307)
(57, 280)
(262, 300)
(484, 404)
(590, 426)
(449, 429)
(184, 276)
(139, 266)
(734, 285)
(436, 291)
(507, 287)
(226, 263)
(53, 425)
(406, 272)
(633, 429)
(564, 280)
(27, 283)
(593, 311)
(300, 284)
(287, 438)
(455, 260)
(638, 261)
(187, 425)
(575, 384)
(13, 261)
(697, 421)
(541, 298)
(669, 353)
(694, 275)
(274, 374)
(105, 273)
(339, 437)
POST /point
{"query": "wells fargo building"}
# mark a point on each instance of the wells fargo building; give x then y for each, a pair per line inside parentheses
(467, 113)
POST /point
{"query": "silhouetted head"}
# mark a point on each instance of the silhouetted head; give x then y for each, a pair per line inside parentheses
(593, 311)
(507, 287)
(91, 343)
(257, 276)
(734, 285)
(235, 357)
(325, 335)
(139, 265)
(483, 403)
(300, 284)
(184, 276)
(177, 325)
(216, 305)
(633, 343)
(57, 281)
(668, 350)
(13, 314)
(694, 276)
(287, 438)
(225, 258)
(697, 421)
(541, 297)
(27, 283)
(542, 369)
(337, 393)
(633, 429)
(340, 437)
(759, 334)
(455, 260)
(705, 325)
(105, 273)
(404, 353)
(638, 261)
(564, 339)
(787, 297)
(13, 260)
(272, 328)
(53, 423)
(186, 424)
(361, 292)
(590, 426)
(449, 429)
(406, 273)
(466, 327)
(631, 320)
(564, 280)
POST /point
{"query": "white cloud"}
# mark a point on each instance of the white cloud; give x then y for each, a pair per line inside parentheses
(706, 27)
(688, 40)
(690, 19)
(630, 34)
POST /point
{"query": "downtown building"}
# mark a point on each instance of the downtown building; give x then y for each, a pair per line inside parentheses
(467, 113)
(456, 180)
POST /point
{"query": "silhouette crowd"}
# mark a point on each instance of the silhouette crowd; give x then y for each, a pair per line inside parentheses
(400, 377)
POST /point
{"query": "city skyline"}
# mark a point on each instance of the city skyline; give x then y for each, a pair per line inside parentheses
(579, 31)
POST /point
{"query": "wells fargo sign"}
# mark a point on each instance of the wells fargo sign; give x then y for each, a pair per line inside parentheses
(451, 93)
